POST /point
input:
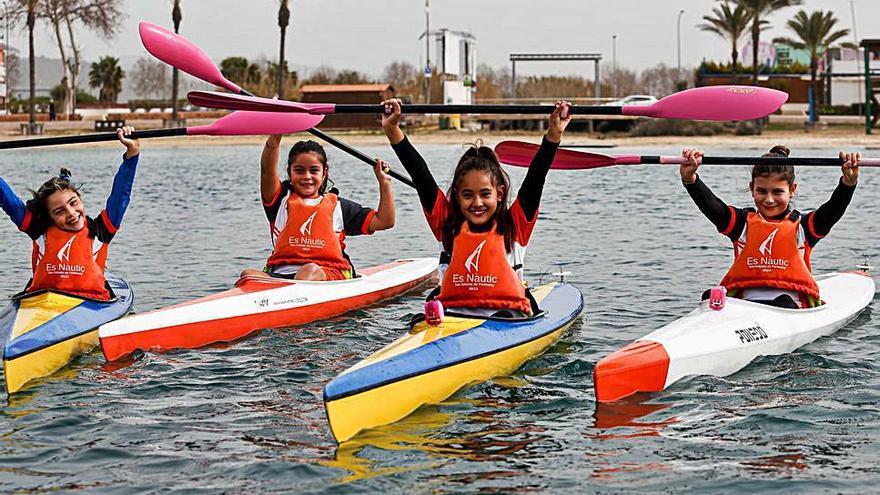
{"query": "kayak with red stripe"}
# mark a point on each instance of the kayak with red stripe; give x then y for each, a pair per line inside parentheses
(257, 303)
(722, 342)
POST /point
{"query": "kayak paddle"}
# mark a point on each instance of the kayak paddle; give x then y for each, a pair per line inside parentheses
(234, 124)
(520, 154)
(722, 103)
(179, 52)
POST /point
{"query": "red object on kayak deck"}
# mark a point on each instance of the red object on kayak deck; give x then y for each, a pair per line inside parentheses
(717, 298)
(433, 312)
(641, 366)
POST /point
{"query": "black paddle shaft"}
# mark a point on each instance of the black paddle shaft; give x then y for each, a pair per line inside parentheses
(348, 149)
(770, 160)
(486, 109)
(89, 138)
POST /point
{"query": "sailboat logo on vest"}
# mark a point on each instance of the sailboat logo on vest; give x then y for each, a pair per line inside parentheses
(472, 263)
(766, 261)
(64, 268)
(472, 279)
(306, 241)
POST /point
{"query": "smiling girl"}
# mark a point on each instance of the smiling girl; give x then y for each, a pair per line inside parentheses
(772, 242)
(483, 241)
(308, 220)
(70, 248)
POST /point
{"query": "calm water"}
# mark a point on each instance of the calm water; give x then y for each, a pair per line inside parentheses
(249, 416)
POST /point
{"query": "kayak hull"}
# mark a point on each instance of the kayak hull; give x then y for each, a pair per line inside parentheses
(257, 303)
(48, 329)
(720, 343)
(430, 363)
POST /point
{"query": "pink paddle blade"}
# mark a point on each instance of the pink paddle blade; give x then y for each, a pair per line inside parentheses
(520, 154)
(257, 123)
(226, 101)
(719, 103)
(177, 51)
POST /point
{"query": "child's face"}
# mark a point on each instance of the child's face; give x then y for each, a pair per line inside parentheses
(66, 210)
(478, 197)
(307, 173)
(772, 194)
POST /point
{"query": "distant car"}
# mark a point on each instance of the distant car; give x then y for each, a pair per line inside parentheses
(633, 100)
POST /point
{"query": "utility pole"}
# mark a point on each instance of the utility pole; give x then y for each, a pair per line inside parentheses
(678, 30)
(614, 66)
(427, 52)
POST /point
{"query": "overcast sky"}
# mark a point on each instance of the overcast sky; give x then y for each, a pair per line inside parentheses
(368, 34)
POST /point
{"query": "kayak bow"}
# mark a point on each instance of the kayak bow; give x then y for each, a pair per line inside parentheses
(719, 343)
(47, 329)
(257, 303)
(430, 363)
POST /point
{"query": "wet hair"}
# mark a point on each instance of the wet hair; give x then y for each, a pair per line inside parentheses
(38, 204)
(785, 172)
(310, 146)
(481, 159)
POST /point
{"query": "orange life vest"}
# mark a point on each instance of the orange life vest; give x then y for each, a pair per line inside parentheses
(308, 235)
(771, 258)
(479, 275)
(68, 265)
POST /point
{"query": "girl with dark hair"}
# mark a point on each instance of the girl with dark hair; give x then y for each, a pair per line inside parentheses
(772, 242)
(483, 241)
(70, 248)
(308, 221)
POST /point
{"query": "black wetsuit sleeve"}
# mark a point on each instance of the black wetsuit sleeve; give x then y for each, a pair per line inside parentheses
(729, 221)
(355, 217)
(272, 207)
(819, 222)
(418, 170)
(530, 191)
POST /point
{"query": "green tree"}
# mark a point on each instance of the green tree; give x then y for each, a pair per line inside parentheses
(814, 33)
(758, 10)
(283, 21)
(730, 24)
(107, 75)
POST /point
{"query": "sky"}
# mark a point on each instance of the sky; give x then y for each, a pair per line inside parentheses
(367, 35)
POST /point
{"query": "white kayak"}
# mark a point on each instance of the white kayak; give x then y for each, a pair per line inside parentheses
(722, 342)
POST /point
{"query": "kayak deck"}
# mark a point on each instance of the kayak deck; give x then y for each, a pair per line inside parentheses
(258, 303)
(47, 330)
(719, 343)
(430, 363)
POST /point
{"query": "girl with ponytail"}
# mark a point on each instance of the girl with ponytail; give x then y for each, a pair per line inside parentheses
(772, 241)
(482, 239)
(70, 248)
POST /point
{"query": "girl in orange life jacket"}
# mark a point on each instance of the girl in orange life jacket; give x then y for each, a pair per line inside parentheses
(772, 242)
(482, 240)
(70, 248)
(308, 223)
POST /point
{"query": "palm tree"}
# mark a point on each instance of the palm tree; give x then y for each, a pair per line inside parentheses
(729, 24)
(283, 21)
(758, 10)
(176, 16)
(107, 75)
(815, 33)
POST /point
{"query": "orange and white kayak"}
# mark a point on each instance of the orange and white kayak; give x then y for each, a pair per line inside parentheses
(257, 303)
(722, 342)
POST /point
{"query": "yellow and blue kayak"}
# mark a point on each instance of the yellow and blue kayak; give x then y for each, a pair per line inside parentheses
(430, 363)
(45, 330)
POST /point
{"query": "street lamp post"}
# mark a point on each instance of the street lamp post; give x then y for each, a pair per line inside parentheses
(678, 37)
(614, 65)
(427, 53)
